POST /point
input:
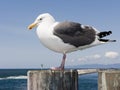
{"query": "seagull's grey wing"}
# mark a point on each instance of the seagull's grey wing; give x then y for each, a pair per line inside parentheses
(75, 33)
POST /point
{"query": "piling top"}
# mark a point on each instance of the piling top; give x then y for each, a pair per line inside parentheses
(109, 71)
(49, 70)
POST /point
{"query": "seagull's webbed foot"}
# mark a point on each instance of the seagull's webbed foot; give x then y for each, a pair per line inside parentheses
(57, 68)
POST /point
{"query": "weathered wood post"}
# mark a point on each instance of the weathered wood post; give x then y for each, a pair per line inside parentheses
(109, 80)
(53, 80)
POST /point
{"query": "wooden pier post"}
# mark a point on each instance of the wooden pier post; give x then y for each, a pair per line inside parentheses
(109, 80)
(53, 80)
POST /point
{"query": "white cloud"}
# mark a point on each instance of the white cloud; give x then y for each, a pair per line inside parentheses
(111, 54)
(82, 59)
(91, 57)
(96, 56)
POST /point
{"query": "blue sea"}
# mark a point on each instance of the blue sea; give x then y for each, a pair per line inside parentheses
(16, 79)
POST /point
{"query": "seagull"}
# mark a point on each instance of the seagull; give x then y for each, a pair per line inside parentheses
(67, 36)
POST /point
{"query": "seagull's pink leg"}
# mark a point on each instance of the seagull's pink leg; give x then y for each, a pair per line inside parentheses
(62, 64)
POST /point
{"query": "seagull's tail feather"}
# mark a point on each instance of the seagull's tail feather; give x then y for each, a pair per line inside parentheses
(104, 34)
(106, 40)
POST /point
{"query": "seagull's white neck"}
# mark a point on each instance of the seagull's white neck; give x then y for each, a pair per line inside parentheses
(44, 31)
(44, 28)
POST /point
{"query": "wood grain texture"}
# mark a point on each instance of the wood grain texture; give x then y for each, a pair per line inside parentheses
(53, 80)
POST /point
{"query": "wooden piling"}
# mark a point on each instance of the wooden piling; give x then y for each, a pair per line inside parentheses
(53, 80)
(109, 80)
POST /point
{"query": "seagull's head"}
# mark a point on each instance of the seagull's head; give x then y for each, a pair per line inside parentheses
(42, 18)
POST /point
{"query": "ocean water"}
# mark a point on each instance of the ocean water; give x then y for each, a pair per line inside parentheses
(16, 79)
(88, 82)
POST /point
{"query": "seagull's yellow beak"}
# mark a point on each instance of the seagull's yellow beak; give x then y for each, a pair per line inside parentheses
(32, 26)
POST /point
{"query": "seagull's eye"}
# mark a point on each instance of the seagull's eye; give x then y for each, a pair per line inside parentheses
(40, 18)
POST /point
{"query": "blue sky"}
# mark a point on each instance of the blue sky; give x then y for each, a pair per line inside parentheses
(21, 48)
